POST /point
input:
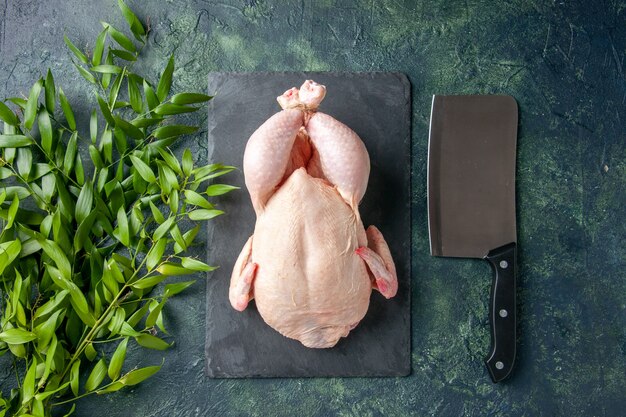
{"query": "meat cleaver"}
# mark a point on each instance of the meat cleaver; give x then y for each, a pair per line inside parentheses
(471, 202)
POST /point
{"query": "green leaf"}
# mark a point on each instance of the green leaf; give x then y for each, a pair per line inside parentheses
(156, 213)
(81, 57)
(155, 313)
(163, 228)
(99, 48)
(86, 74)
(115, 88)
(196, 265)
(165, 82)
(170, 160)
(13, 191)
(115, 386)
(189, 236)
(172, 269)
(106, 145)
(135, 25)
(106, 78)
(78, 170)
(50, 92)
(187, 162)
(122, 224)
(173, 130)
(30, 113)
(95, 156)
(166, 109)
(136, 376)
(219, 189)
(107, 69)
(155, 254)
(178, 237)
(192, 197)
(151, 97)
(150, 342)
(24, 162)
(128, 128)
(125, 55)
(190, 98)
(84, 202)
(143, 169)
(93, 126)
(7, 115)
(167, 178)
(120, 38)
(74, 376)
(90, 352)
(177, 287)
(28, 387)
(117, 360)
(67, 110)
(97, 375)
(45, 130)
(54, 251)
(104, 109)
(134, 96)
(148, 282)
(17, 336)
(70, 153)
(12, 212)
(202, 214)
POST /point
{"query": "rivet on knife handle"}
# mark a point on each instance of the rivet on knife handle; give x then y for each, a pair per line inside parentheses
(502, 311)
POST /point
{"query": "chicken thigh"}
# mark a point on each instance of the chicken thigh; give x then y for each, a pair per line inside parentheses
(310, 264)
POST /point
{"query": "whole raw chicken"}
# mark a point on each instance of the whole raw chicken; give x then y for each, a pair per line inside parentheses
(310, 264)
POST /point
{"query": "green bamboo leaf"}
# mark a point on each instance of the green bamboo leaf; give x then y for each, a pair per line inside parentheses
(125, 55)
(81, 56)
(167, 109)
(190, 98)
(187, 162)
(28, 387)
(151, 97)
(148, 282)
(7, 115)
(54, 252)
(106, 69)
(146, 122)
(117, 360)
(70, 154)
(13, 191)
(49, 360)
(178, 237)
(189, 236)
(167, 178)
(177, 287)
(143, 169)
(106, 145)
(120, 38)
(99, 48)
(74, 376)
(84, 202)
(192, 197)
(24, 162)
(106, 78)
(136, 376)
(95, 156)
(113, 387)
(115, 88)
(17, 336)
(97, 375)
(15, 204)
(155, 254)
(128, 128)
(165, 82)
(5, 173)
(172, 269)
(134, 96)
(78, 170)
(86, 74)
(202, 214)
(30, 113)
(67, 110)
(135, 24)
(122, 224)
(173, 130)
(219, 189)
(45, 130)
(196, 265)
(45, 330)
(156, 213)
(90, 352)
(170, 160)
(150, 342)
(104, 109)
(93, 126)
(50, 92)
(155, 313)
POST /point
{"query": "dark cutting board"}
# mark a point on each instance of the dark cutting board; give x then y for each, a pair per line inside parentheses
(377, 107)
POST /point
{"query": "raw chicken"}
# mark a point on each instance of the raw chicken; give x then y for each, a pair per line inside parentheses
(310, 264)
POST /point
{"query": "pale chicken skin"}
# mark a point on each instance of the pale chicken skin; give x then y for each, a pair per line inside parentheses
(310, 264)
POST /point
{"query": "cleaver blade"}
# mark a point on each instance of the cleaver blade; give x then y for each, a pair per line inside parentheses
(471, 202)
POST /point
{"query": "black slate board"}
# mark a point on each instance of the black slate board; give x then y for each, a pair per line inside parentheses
(377, 107)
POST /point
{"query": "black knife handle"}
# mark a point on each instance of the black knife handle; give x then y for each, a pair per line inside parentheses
(502, 317)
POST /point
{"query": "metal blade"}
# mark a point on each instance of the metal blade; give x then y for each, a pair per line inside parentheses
(471, 174)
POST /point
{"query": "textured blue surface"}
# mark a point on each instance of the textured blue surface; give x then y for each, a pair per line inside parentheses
(562, 61)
